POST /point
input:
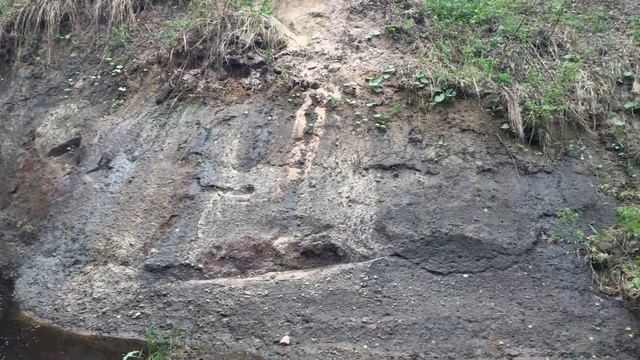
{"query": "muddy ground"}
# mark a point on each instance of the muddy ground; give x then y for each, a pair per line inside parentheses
(264, 210)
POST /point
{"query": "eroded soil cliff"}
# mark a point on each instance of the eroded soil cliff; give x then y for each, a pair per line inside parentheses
(262, 210)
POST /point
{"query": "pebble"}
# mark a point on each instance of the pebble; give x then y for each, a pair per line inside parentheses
(286, 340)
(512, 352)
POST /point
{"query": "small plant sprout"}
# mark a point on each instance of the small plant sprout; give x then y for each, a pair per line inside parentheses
(615, 122)
(444, 96)
(567, 216)
(117, 70)
(267, 55)
(119, 36)
(333, 102)
(133, 355)
(393, 30)
(628, 220)
(627, 76)
(95, 79)
(382, 120)
(159, 346)
(629, 195)
(421, 79)
(504, 79)
(408, 24)
(376, 83)
(373, 34)
(632, 106)
(568, 231)
(309, 129)
(396, 108)
(606, 189)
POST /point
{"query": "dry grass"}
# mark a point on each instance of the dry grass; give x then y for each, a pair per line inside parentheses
(25, 20)
(218, 32)
(206, 33)
(513, 111)
(216, 37)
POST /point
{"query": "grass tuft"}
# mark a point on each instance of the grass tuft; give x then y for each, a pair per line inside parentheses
(206, 32)
(549, 63)
(614, 255)
(24, 20)
(218, 32)
(160, 345)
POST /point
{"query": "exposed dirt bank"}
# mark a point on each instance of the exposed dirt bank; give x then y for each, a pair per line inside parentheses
(263, 211)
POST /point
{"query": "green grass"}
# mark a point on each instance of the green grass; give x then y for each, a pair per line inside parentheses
(548, 62)
(542, 63)
(376, 82)
(3, 7)
(628, 221)
(120, 36)
(567, 230)
(634, 26)
(159, 345)
(614, 254)
(567, 216)
(471, 12)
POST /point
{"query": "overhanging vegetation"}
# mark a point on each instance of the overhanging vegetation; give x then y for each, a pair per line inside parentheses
(541, 63)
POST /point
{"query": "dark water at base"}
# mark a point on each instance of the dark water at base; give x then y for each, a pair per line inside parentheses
(24, 339)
